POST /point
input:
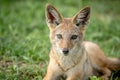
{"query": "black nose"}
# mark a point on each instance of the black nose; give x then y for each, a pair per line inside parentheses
(65, 51)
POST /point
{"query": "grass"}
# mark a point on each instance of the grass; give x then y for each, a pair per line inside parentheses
(24, 35)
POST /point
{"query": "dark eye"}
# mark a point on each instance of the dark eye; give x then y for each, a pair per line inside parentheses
(74, 37)
(59, 36)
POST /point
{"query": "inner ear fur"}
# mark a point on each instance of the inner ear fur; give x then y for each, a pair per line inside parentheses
(52, 15)
(82, 17)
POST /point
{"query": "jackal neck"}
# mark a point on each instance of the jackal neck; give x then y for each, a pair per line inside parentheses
(67, 62)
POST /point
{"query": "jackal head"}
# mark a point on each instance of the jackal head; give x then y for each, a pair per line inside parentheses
(66, 34)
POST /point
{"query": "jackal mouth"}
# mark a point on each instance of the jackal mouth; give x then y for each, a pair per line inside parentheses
(65, 54)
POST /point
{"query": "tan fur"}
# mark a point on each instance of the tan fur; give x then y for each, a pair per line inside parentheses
(84, 58)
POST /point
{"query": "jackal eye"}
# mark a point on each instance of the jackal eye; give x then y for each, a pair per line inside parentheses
(59, 36)
(73, 37)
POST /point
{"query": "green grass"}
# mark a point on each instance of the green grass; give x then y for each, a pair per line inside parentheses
(24, 35)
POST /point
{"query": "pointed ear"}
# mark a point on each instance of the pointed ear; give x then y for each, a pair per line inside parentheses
(52, 15)
(82, 17)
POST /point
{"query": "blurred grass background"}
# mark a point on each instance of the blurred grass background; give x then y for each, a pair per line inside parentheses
(24, 35)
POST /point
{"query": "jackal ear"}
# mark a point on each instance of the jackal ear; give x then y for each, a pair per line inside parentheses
(52, 15)
(82, 17)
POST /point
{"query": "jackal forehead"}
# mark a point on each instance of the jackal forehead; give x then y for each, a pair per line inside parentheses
(67, 27)
(65, 30)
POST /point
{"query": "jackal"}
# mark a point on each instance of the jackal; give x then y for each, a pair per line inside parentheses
(71, 58)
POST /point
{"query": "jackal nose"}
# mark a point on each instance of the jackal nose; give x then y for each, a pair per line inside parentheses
(65, 51)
